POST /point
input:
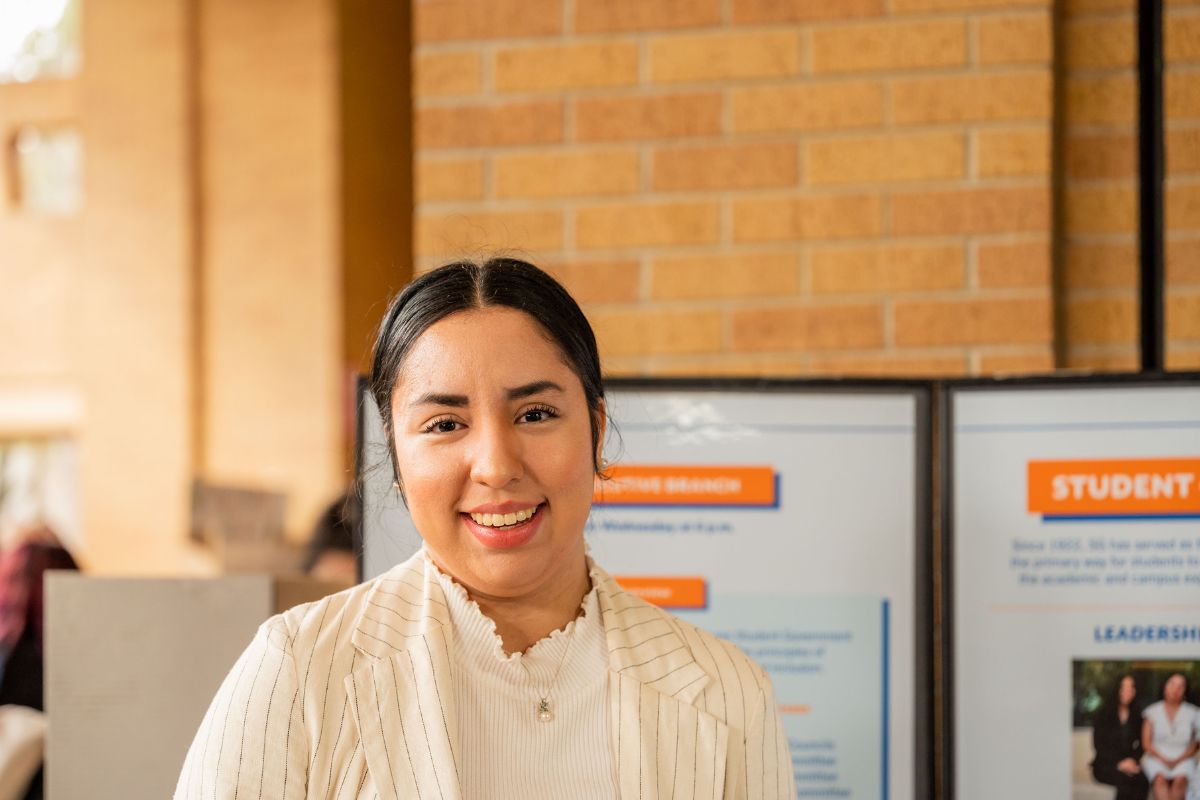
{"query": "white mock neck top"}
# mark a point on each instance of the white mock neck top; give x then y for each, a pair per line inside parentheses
(505, 751)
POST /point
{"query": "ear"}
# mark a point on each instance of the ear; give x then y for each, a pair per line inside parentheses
(601, 413)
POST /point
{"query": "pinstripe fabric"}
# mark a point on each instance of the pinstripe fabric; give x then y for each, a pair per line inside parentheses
(352, 698)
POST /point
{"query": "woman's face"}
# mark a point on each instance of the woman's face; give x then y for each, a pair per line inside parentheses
(494, 448)
(1173, 690)
(1127, 692)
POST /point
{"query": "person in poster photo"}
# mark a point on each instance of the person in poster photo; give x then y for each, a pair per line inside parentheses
(1169, 738)
(1117, 737)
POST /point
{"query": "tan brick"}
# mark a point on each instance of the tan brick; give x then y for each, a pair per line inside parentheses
(1104, 208)
(536, 122)
(801, 327)
(1182, 207)
(725, 56)
(1101, 320)
(1181, 37)
(1012, 266)
(964, 211)
(439, 20)
(1104, 43)
(1183, 151)
(726, 167)
(670, 116)
(1183, 316)
(724, 276)
(439, 74)
(1075, 7)
(1181, 95)
(807, 106)
(738, 366)
(638, 224)
(1012, 153)
(912, 6)
(607, 16)
(1183, 262)
(1033, 362)
(569, 66)
(600, 281)
(567, 174)
(1103, 155)
(449, 179)
(888, 46)
(806, 218)
(885, 159)
(1019, 39)
(1180, 359)
(1102, 265)
(972, 322)
(972, 98)
(1096, 101)
(641, 333)
(890, 366)
(1120, 359)
(756, 11)
(454, 234)
(886, 268)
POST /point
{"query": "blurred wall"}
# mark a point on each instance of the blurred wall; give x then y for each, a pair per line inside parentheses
(204, 315)
(1098, 42)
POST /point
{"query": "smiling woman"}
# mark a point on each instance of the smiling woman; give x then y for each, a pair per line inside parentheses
(499, 661)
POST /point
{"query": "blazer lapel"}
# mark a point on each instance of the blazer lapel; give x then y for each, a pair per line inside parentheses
(665, 746)
(402, 694)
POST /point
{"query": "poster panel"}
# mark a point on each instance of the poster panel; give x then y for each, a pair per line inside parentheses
(1073, 529)
(790, 518)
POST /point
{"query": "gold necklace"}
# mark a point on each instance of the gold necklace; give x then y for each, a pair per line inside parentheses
(545, 712)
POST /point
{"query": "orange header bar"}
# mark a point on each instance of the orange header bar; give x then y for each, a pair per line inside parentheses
(667, 592)
(1114, 486)
(677, 485)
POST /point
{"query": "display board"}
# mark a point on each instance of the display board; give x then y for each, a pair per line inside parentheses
(1072, 525)
(791, 518)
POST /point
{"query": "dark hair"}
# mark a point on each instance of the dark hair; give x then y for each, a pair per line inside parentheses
(334, 529)
(465, 285)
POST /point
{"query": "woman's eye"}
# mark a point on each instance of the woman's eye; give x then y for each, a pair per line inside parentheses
(537, 415)
(442, 426)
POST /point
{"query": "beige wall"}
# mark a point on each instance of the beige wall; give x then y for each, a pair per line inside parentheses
(191, 322)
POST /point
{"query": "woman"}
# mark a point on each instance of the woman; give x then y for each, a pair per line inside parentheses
(499, 662)
(1169, 738)
(1117, 736)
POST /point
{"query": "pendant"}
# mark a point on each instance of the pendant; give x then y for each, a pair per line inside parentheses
(544, 714)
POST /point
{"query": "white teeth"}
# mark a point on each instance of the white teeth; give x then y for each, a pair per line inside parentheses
(504, 520)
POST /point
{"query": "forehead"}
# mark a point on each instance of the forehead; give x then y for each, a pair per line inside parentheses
(496, 344)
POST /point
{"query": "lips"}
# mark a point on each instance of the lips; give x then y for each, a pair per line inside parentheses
(504, 536)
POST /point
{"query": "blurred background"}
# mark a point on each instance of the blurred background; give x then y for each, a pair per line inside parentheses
(207, 203)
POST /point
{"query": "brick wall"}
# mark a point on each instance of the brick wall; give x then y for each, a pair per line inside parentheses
(1099, 178)
(755, 186)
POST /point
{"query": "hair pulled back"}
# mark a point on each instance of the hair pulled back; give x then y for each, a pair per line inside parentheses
(466, 285)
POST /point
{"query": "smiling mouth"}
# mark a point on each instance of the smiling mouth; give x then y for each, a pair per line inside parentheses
(505, 521)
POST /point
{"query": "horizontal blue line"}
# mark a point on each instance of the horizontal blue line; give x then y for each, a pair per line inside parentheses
(1079, 426)
(1113, 517)
(773, 428)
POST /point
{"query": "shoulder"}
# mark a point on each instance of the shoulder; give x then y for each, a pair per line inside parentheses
(726, 664)
(1153, 710)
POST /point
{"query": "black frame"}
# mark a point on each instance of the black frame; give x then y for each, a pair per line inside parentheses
(945, 461)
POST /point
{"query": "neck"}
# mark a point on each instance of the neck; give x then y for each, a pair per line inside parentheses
(523, 621)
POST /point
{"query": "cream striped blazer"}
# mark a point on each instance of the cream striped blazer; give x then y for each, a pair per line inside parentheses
(351, 697)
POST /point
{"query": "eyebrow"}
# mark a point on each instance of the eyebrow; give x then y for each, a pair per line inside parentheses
(461, 400)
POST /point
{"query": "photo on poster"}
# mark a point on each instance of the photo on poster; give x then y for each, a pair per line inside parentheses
(1113, 703)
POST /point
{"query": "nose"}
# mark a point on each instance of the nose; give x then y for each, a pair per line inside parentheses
(496, 459)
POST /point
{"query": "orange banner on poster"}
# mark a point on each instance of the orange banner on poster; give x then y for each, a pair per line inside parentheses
(672, 592)
(1114, 486)
(676, 485)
